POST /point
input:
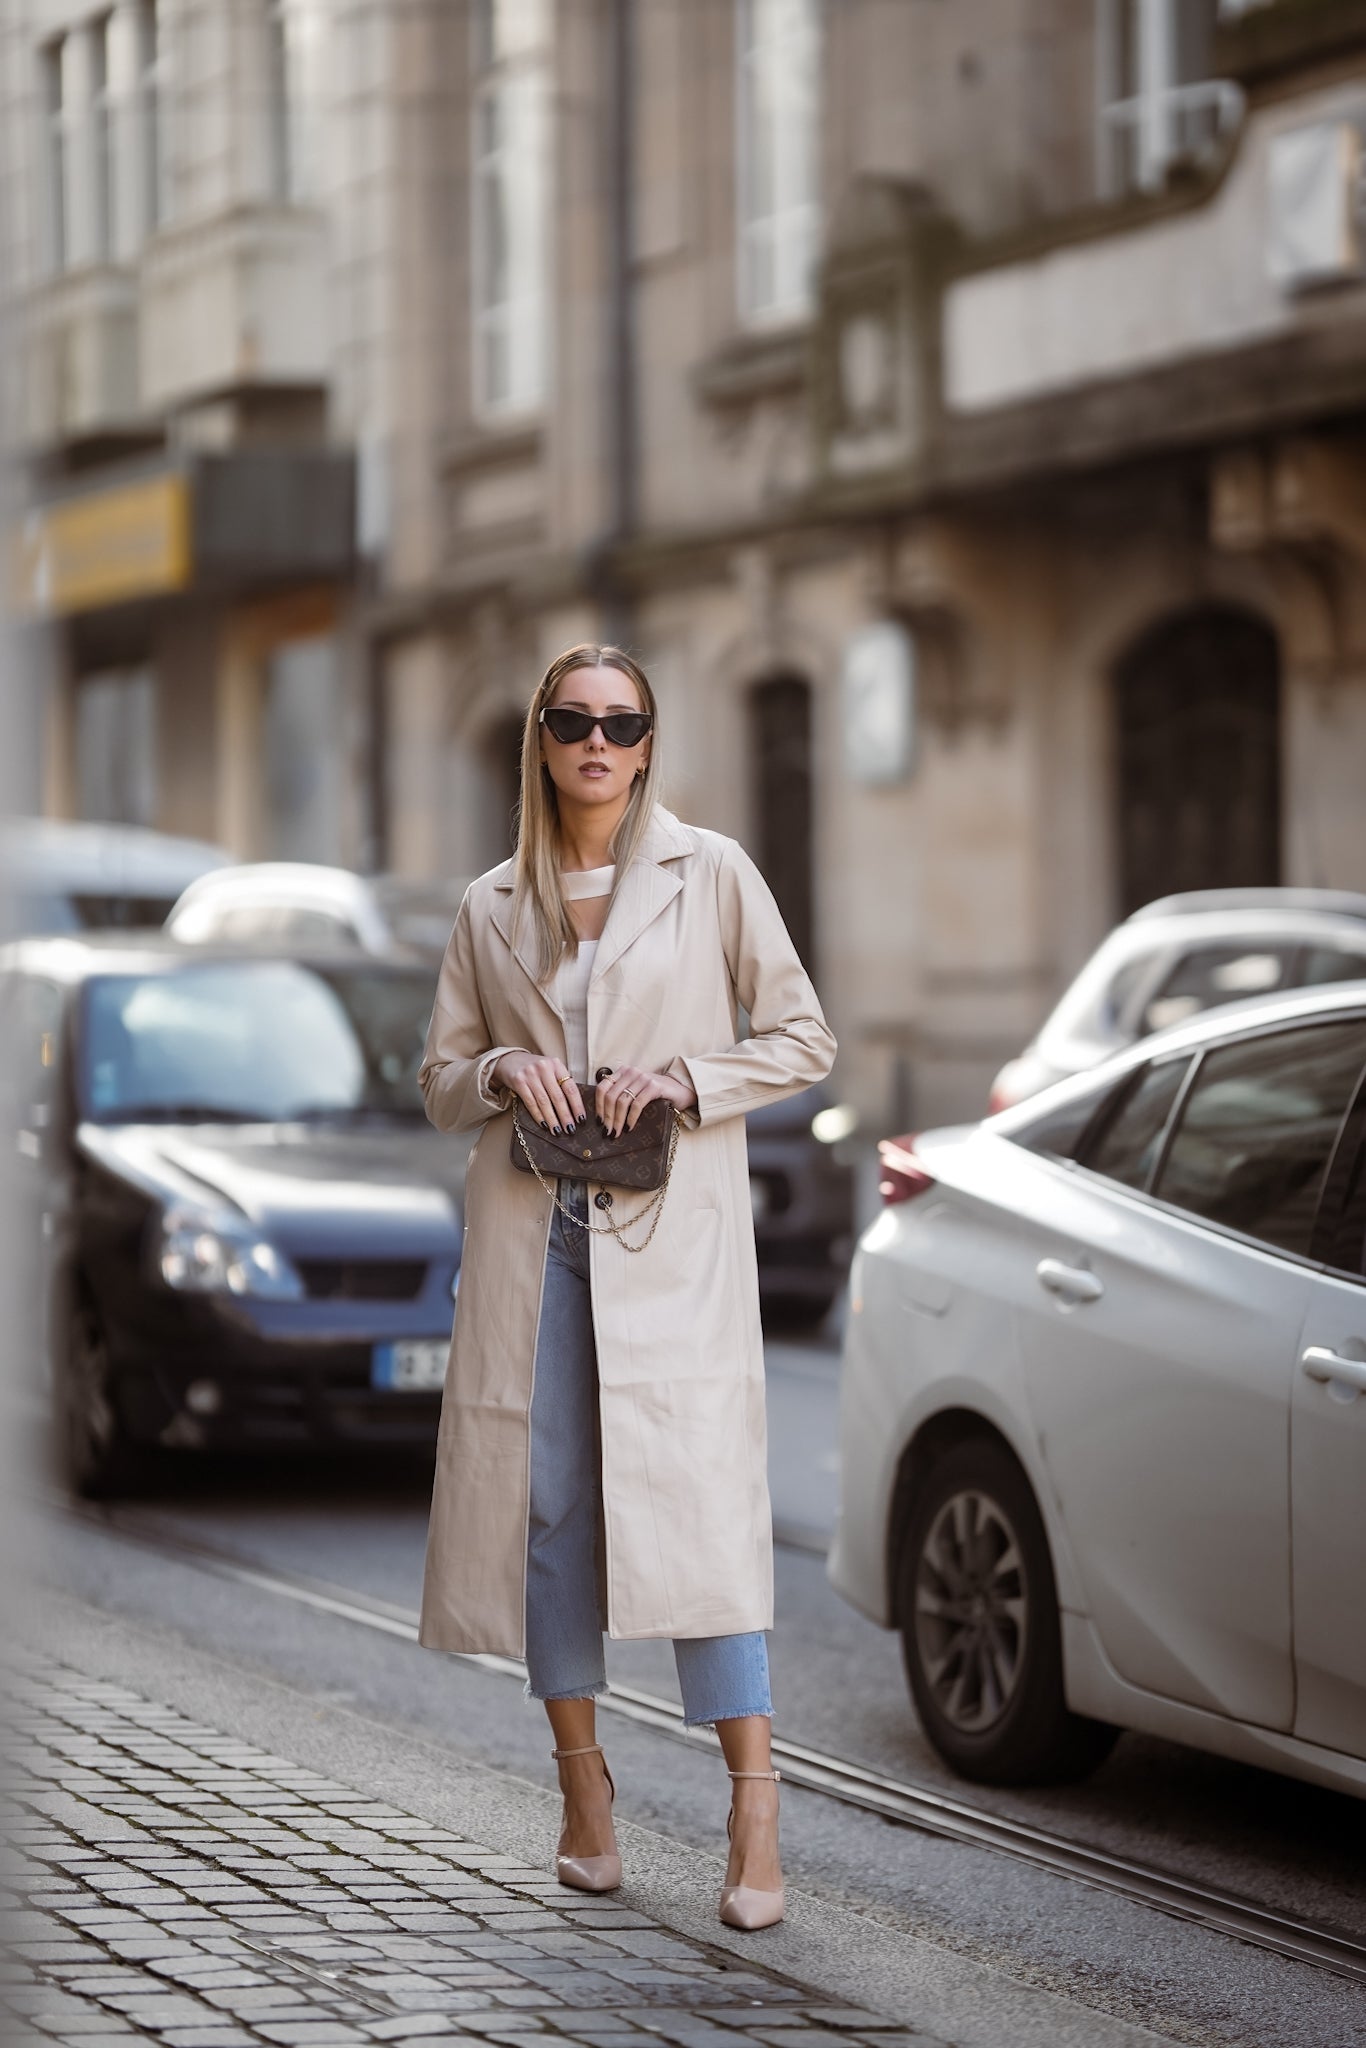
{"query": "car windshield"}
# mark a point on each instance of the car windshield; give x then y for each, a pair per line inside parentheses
(1090, 1011)
(255, 1040)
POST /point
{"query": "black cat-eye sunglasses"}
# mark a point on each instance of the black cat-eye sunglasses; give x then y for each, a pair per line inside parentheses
(622, 728)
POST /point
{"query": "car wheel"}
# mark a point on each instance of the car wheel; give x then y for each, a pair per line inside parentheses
(980, 1631)
(94, 1454)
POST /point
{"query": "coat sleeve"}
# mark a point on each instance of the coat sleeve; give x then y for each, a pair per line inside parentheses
(790, 1044)
(458, 1057)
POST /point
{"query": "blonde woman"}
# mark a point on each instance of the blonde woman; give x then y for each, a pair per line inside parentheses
(601, 1462)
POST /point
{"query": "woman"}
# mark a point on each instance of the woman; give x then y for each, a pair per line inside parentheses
(601, 1461)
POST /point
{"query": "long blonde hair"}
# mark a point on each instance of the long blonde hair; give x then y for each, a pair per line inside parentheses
(538, 838)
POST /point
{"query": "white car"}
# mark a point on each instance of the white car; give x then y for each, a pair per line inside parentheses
(298, 903)
(1103, 1414)
(1184, 954)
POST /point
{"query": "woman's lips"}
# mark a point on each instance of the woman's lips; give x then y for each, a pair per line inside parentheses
(592, 768)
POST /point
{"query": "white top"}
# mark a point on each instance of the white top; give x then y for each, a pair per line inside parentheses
(580, 882)
(571, 993)
(571, 980)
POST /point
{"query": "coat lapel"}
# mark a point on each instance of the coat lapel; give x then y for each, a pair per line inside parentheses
(643, 891)
(521, 944)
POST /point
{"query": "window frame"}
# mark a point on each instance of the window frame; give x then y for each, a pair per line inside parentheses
(529, 68)
(1342, 1202)
(294, 113)
(778, 312)
(151, 100)
(1109, 1112)
(1314, 1259)
(56, 153)
(104, 169)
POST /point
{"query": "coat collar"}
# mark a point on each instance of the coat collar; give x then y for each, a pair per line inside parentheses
(641, 894)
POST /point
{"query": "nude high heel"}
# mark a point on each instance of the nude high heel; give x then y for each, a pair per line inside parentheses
(589, 1873)
(741, 1905)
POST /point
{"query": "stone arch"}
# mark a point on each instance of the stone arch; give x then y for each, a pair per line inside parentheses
(1196, 724)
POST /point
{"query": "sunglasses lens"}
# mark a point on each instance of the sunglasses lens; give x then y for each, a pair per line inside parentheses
(626, 728)
(569, 725)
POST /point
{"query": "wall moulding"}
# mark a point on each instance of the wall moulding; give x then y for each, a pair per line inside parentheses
(933, 581)
(1298, 507)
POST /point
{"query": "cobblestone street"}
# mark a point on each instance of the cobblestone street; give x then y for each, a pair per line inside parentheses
(166, 1881)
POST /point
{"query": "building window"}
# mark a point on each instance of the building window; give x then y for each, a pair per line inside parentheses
(295, 50)
(53, 68)
(1159, 106)
(102, 122)
(510, 188)
(778, 156)
(151, 103)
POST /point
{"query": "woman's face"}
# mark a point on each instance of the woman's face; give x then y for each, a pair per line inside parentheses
(592, 771)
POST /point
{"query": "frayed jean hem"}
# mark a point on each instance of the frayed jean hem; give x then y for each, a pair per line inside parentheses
(577, 1692)
(731, 1714)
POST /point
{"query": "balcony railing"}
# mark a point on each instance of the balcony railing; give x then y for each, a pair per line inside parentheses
(1145, 137)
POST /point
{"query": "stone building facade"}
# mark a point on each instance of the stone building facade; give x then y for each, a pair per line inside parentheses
(956, 403)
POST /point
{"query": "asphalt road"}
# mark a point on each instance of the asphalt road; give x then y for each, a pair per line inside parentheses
(838, 1688)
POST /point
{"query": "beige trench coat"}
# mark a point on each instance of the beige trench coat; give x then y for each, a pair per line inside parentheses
(691, 928)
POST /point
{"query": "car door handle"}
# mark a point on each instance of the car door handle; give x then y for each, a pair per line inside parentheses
(1069, 1283)
(1318, 1363)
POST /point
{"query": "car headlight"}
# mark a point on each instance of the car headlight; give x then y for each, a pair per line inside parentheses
(196, 1257)
(830, 1125)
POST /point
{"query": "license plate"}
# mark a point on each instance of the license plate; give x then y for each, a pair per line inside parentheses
(413, 1365)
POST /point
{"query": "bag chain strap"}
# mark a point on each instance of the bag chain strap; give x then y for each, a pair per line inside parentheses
(611, 1228)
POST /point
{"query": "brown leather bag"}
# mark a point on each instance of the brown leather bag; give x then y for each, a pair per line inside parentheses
(633, 1159)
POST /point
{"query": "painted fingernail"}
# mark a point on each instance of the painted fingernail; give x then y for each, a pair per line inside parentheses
(543, 1124)
(558, 1132)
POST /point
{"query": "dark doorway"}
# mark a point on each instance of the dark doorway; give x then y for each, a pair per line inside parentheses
(780, 748)
(501, 782)
(1197, 704)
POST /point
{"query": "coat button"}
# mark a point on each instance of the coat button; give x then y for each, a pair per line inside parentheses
(602, 1199)
(602, 1073)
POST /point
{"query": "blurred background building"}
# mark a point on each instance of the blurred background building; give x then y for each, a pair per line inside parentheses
(958, 404)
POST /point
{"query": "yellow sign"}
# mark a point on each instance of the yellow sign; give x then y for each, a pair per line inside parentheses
(104, 548)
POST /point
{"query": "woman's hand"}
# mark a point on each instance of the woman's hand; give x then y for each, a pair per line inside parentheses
(545, 1087)
(626, 1091)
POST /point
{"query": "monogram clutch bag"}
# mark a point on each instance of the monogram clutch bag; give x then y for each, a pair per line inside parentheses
(633, 1159)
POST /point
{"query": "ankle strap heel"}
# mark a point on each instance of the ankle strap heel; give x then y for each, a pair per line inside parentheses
(589, 1873)
(741, 1905)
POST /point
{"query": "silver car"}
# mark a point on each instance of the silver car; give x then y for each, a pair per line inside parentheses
(283, 903)
(1103, 1424)
(1184, 954)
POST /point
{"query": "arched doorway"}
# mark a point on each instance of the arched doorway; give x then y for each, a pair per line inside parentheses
(780, 750)
(1197, 710)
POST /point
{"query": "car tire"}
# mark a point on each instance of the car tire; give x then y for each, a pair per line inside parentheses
(94, 1455)
(980, 1633)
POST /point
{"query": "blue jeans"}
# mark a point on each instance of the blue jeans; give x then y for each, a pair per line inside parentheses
(720, 1676)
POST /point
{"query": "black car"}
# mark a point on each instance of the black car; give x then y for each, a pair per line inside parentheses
(802, 1194)
(240, 1228)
